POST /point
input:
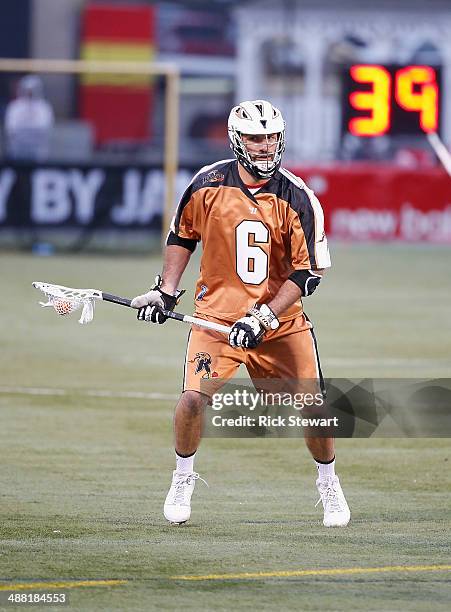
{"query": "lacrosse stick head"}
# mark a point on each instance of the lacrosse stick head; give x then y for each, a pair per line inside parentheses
(66, 300)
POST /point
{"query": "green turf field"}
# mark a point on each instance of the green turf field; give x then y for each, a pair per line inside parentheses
(85, 462)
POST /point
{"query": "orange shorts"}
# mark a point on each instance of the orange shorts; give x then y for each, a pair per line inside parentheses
(287, 353)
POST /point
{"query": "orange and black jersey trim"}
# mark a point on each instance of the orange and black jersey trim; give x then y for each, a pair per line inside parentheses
(252, 242)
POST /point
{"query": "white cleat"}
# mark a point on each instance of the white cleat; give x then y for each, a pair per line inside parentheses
(177, 507)
(336, 509)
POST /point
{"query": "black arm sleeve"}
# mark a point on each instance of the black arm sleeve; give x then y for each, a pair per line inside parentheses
(186, 243)
(306, 280)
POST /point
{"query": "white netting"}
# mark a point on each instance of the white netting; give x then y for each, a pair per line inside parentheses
(66, 300)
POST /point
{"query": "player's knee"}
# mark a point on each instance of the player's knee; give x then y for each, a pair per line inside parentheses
(194, 401)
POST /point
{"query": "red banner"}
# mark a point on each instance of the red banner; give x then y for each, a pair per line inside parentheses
(118, 106)
(368, 202)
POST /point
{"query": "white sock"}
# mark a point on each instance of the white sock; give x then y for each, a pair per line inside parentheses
(325, 469)
(185, 464)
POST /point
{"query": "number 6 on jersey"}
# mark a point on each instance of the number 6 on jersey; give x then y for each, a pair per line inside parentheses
(251, 260)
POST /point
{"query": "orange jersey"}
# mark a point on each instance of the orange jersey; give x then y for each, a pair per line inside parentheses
(251, 242)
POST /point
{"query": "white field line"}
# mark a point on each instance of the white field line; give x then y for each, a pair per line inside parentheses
(49, 392)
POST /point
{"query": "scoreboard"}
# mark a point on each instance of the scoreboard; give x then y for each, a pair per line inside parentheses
(393, 100)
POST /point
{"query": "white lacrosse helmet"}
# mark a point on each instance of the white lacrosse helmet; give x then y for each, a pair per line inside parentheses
(256, 117)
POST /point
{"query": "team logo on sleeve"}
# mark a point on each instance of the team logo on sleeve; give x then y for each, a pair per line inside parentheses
(202, 292)
(213, 177)
(203, 364)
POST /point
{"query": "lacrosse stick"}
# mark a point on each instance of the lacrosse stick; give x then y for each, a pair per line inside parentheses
(66, 300)
(440, 150)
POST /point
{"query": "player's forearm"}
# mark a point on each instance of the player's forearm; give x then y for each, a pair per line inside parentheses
(176, 259)
(287, 295)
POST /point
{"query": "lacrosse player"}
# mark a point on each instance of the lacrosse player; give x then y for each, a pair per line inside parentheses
(264, 248)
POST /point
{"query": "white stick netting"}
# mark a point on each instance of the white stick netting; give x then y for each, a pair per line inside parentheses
(66, 300)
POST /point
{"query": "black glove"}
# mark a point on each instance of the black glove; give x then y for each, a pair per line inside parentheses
(248, 331)
(152, 304)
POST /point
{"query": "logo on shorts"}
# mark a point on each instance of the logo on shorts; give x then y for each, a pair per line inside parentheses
(213, 177)
(202, 292)
(203, 361)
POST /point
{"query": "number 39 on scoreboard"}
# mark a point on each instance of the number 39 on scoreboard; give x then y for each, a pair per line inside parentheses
(392, 100)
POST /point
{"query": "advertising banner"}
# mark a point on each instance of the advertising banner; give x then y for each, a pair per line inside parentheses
(359, 204)
(119, 106)
(368, 202)
(97, 197)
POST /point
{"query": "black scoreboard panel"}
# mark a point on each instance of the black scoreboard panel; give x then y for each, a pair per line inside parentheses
(390, 99)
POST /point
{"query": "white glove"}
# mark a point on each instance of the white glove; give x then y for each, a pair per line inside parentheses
(248, 331)
(151, 305)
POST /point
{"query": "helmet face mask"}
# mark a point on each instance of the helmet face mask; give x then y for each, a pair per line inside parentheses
(257, 137)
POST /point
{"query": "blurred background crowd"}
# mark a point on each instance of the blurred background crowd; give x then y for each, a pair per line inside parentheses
(294, 52)
(359, 84)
